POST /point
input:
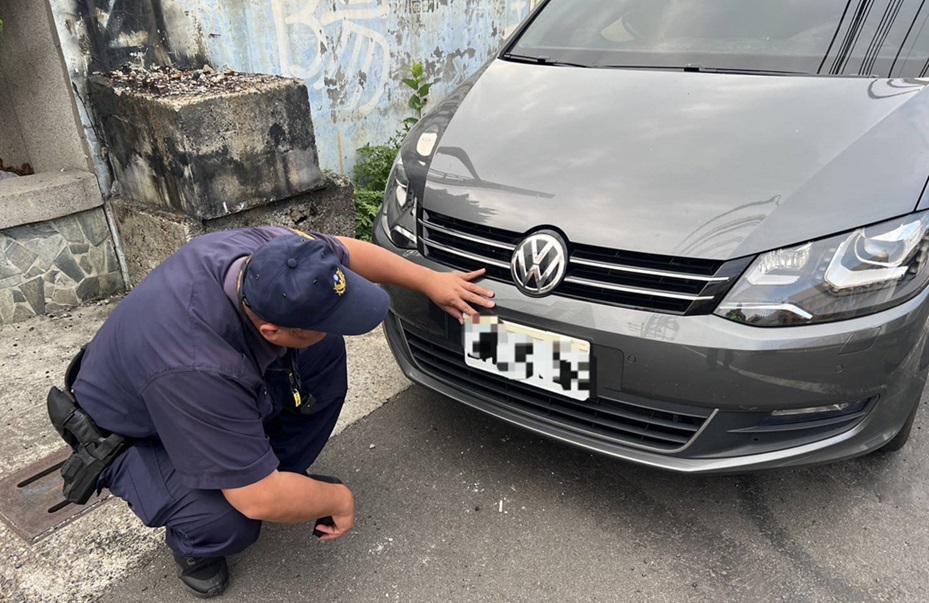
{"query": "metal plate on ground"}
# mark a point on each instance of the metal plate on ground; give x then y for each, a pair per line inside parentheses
(31, 503)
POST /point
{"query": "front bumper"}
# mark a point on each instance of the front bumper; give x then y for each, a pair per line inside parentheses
(704, 385)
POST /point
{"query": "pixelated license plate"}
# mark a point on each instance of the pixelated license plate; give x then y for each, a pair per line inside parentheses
(546, 360)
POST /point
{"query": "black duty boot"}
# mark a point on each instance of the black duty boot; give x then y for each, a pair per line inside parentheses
(203, 576)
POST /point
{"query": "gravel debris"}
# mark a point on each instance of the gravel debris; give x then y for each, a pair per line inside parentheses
(170, 81)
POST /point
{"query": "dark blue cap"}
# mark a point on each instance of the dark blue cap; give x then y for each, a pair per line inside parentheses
(297, 282)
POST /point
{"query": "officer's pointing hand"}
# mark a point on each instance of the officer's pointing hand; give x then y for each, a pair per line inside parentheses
(456, 294)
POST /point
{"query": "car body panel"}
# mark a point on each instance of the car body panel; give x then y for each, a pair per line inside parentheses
(704, 360)
(743, 163)
(671, 169)
(710, 361)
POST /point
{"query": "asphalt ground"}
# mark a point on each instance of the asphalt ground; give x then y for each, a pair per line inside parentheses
(455, 506)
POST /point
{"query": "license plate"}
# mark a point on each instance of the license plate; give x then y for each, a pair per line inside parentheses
(546, 360)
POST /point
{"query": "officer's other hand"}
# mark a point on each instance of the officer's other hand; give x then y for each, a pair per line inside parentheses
(456, 294)
(342, 520)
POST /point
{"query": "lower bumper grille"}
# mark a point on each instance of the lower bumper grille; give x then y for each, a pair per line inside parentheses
(616, 421)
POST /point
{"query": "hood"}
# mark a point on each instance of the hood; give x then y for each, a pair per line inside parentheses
(704, 165)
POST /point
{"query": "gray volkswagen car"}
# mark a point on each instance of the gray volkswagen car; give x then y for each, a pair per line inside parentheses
(705, 224)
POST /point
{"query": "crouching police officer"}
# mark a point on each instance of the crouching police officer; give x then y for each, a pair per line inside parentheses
(224, 370)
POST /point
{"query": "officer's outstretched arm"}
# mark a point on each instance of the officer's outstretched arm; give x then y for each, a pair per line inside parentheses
(454, 292)
(285, 497)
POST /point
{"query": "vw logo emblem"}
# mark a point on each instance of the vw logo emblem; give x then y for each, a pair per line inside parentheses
(539, 263)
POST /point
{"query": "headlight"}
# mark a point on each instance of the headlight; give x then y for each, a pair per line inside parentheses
(399, 211)
(852, 274)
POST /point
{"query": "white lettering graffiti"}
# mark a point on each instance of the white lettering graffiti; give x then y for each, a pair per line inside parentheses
(357, 52)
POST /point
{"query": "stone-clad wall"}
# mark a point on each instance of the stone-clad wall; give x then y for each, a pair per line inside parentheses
(51, 266)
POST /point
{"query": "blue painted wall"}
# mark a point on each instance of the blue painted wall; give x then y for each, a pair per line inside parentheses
(352, 54)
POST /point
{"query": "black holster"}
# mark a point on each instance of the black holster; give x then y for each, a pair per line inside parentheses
(94, 448)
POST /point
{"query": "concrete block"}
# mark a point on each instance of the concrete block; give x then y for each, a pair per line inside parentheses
(46, 196)
(330, 210)
(150, 235)
(209, 155)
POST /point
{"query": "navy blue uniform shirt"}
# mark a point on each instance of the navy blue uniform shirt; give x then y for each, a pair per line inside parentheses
(176, 362)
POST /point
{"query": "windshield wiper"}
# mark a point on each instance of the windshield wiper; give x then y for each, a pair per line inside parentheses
(741, 70)
(695, 68)
(539, 60)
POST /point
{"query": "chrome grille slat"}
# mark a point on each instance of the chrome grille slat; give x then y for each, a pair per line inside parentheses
(662, 273)
(600, 275)
(467, 255)
(639, 291)
(471, 238)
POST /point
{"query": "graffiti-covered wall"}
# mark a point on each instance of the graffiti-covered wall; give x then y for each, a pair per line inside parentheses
(351, 53)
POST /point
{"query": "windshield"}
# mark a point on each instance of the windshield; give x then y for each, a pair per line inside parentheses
(886, 38)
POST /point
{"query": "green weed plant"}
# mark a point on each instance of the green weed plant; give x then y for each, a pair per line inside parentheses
(372, 169)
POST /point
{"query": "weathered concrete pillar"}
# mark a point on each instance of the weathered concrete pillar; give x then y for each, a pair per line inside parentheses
(56, 250)
(198, 151)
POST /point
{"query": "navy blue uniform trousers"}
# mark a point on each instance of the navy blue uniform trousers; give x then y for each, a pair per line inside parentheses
(201, 523)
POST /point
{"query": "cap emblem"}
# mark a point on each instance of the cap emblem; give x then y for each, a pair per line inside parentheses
(339, 282)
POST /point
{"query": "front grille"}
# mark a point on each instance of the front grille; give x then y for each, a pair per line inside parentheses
(597, 274)
(616, 421)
